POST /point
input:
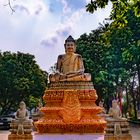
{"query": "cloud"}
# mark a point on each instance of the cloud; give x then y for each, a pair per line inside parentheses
(59, 6)
(38, 10)
(50, 41)
(21, 8)
(31, 7)
(63, 30)
(35, 29)
(72, 5)
(58, 35)
(66, 8)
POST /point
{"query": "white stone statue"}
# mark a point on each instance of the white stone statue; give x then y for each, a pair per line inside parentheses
(21, 119)
(115, 111)
(101, 104)
(115, 116)
(22, 112)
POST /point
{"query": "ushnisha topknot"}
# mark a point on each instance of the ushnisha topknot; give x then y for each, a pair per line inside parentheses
(114, 101)
(22, 103)
(70, 39)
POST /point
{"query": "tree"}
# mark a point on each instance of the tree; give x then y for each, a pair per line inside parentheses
(93, 51)
(20, 78)
(119, 9)
(111, 55)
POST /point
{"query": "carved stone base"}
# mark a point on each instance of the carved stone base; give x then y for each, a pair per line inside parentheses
(121, 123)
(117, 129)
(24, 127)
(20, 137)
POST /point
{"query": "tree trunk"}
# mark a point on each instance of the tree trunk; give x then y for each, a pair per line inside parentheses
(127, 99)
(138, 69)
(134, 98)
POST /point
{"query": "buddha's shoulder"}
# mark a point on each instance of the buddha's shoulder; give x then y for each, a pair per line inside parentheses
(111, 109)
(78, 55)
(18, 110)
(61, 56)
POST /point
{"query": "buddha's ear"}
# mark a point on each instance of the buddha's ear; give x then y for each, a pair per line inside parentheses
(75, 48)
(65, 47)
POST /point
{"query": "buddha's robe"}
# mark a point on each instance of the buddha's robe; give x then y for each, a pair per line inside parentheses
(70, 68)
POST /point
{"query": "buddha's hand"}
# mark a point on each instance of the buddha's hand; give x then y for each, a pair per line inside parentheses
(57, 76)
(75, 72)
(80, 72)
(63, 76)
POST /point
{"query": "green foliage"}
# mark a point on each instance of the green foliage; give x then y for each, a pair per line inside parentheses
(94, 53)
(91, 7)
(119, 9)
(20, 78)
(33, 101)
(112, 55)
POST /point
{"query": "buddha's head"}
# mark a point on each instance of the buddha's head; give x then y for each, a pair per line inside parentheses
(39, 104)
(114, 103)
(101, 104)
(22, 105)
(70, 46)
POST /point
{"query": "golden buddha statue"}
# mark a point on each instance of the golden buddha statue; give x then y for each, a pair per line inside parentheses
(70, 98)
(70, 65)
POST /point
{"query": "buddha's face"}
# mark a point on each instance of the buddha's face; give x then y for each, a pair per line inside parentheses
(22, 106)
(70, 47)
(114, 104)
(100, 104)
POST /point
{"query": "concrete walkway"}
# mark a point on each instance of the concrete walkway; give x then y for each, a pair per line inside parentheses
(4, 135)
(134, 131)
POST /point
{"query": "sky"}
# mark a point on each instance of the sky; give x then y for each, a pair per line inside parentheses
(40, 27)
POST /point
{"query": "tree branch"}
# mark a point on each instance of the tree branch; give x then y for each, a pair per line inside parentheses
(9, 4)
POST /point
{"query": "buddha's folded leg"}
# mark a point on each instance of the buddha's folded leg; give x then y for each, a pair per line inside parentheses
(77, 78)
(52, 78)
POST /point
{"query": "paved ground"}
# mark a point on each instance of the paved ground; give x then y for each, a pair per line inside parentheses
(135, 132)
(3, 135)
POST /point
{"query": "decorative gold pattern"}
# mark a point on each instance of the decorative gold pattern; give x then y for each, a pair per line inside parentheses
(71, 109)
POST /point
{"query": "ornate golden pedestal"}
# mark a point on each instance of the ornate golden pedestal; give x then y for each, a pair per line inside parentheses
(70, 108)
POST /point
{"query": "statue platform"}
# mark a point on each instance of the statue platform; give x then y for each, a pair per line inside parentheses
(27, 130)
(69, 137)
(117, 129)
(20, 137)
(21, 126)
(70, 108)
(119, 137)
